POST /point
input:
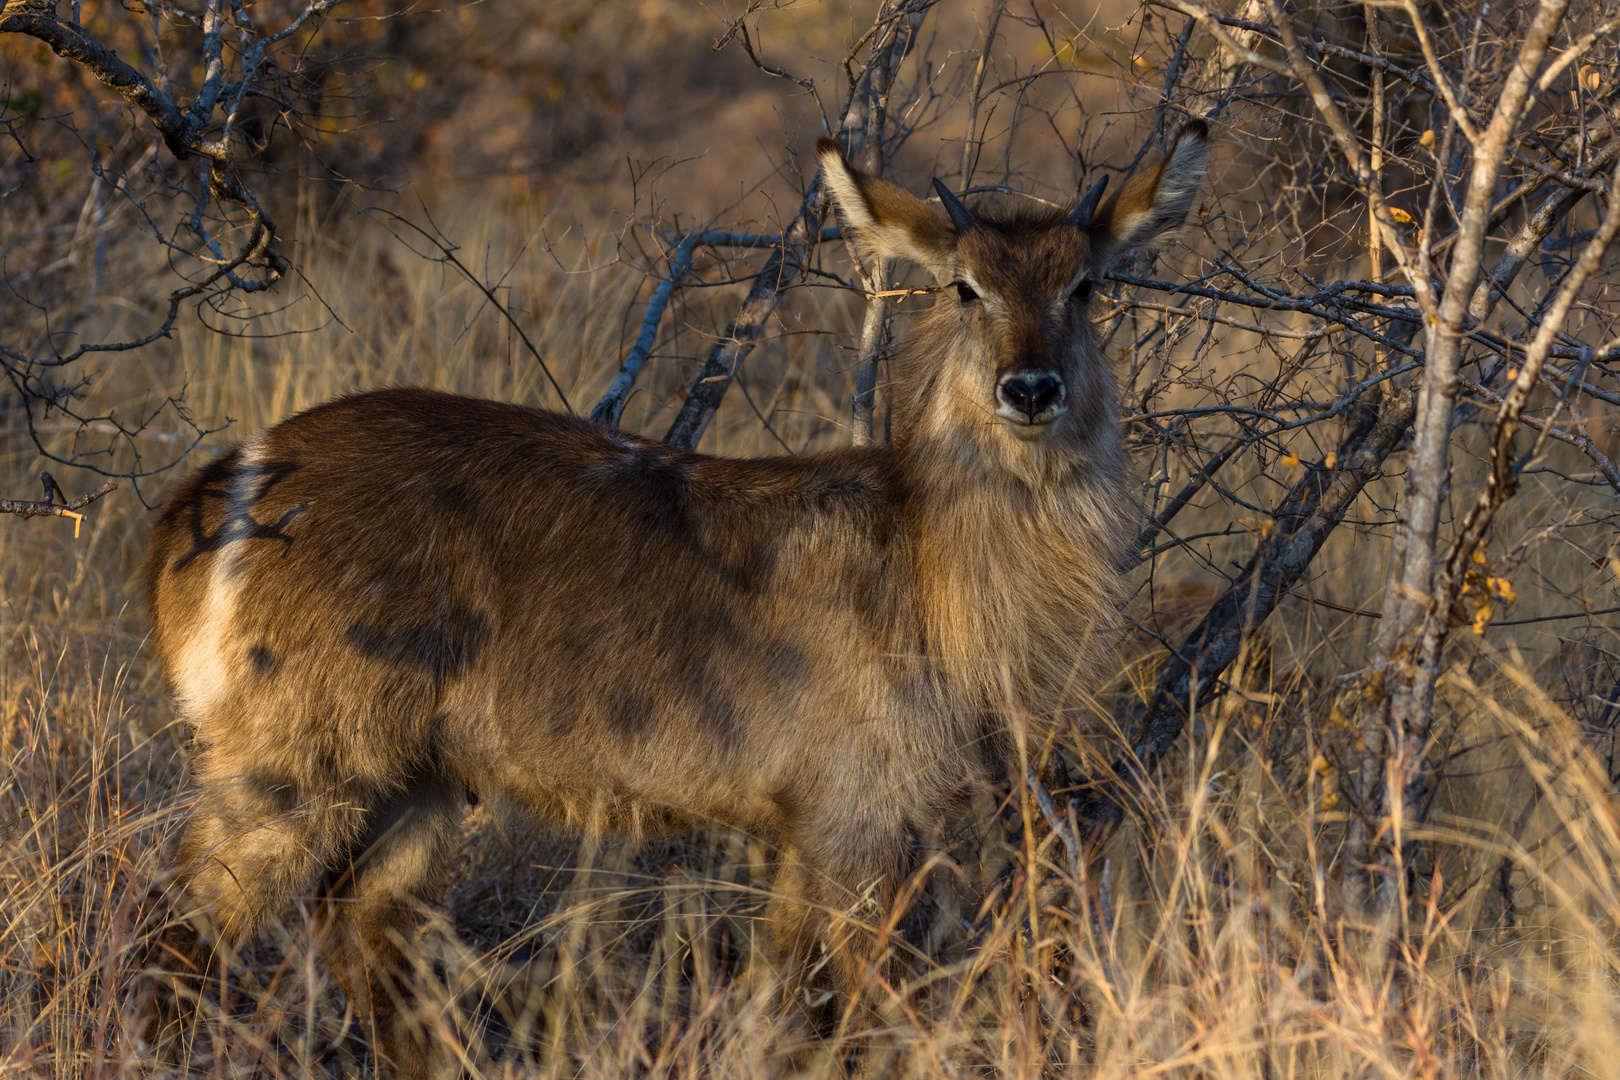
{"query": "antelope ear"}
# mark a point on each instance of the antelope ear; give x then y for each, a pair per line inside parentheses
(888, 223)
(1153, 202)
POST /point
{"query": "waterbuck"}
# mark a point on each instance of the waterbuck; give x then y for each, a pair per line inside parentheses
(401, 599)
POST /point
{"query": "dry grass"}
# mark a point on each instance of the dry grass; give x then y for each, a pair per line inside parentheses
(1207, 940)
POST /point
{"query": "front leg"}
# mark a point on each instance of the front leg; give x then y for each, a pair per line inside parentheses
(833, 920)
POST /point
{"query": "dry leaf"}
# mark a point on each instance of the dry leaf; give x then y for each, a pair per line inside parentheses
(1503, 588)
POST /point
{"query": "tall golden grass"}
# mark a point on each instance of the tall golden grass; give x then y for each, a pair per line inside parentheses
(1206, 939)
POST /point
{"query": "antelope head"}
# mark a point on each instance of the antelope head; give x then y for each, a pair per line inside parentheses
(1007, 358)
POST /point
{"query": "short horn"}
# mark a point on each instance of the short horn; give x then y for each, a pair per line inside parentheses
(1081, 217)
(961, 216)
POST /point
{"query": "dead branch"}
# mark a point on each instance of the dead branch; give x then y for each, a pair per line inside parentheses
(55, 504)
(1303, 522)
(228, 244)
(1501, 481)
(862, 127)
(611, 406)
(862, 133)
(715, 377)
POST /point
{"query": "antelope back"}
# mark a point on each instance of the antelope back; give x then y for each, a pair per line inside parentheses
(405, 581)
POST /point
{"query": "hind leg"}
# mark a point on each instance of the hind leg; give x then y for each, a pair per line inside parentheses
(374, 903)
(251, 846)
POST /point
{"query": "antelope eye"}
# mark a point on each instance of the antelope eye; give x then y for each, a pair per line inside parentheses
(964, 292)
(1082, 291)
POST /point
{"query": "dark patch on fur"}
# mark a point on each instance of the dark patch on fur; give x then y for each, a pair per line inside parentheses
(630, 713)
(711, 631)
(238, 524)
(786, 664)
(268, 793)
(717, 709)
(438, 648)
(662, 492)
(461, 501)
(753, 568)
(264, 661)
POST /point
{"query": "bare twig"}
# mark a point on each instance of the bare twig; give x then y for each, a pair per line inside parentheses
(611, 407)
(447, 254)
(780, 270)
(55, 504)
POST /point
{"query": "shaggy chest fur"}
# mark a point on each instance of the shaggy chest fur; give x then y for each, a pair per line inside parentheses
(1023, 591)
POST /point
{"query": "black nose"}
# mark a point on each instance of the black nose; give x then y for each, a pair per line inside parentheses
(1030, 395)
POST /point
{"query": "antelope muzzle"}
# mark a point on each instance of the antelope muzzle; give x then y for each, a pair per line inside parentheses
(1029, 400)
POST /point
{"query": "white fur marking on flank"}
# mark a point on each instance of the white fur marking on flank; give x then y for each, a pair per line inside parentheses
(203, 670)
